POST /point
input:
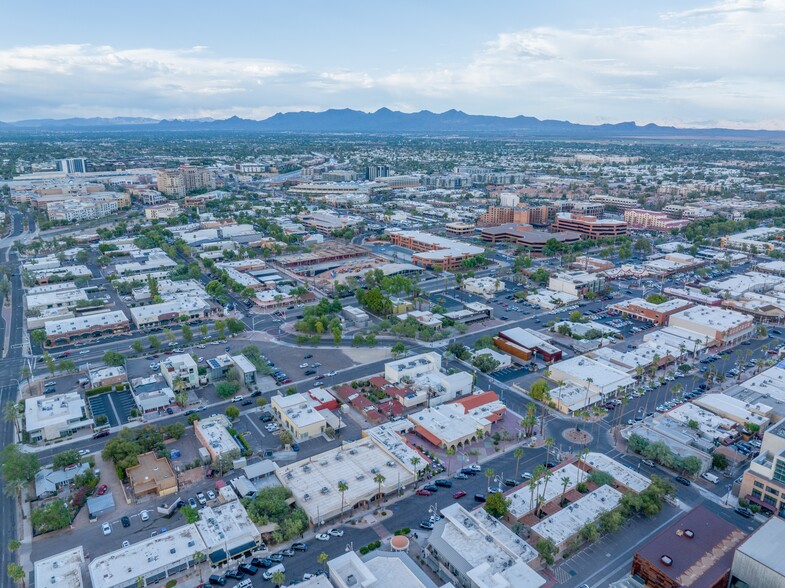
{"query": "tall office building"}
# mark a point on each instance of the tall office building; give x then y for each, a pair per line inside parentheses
(74, 165)
(377, 171)
(185, 179)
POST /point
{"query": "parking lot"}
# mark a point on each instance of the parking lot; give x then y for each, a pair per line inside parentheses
(115, 406)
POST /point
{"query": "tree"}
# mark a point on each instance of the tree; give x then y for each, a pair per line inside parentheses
(226, 388)
(485, 363)
(719, 461)
(496, 505)
(38, 337)
(66, 458)
(170, 336)
(260, 402)
(278, 578)
(379, 479)
(540, 275)
(232, 412)
(565, 481)
(337, 333)
(188, 334)
(137, 346)
(191, 514)
(50, 363)
(286, 438)
(18, 468)
(342, 488)
(14, 545)
(450, 451)
(398, 349)
(484, 342)
(322, 559)
(155, 342)
(204, 330)
(51, 517)
(415, 461)
(220, 328)
(546, 550)
(489, 473)
(518, 454)
(113, 358)
(16, 573)
(235, 326)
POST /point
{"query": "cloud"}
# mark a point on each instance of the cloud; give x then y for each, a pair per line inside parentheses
(718, 62)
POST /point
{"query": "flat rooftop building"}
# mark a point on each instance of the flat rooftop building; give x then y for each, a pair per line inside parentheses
(63, 570)
(227, 527)
(213, 435)
(717, 326)
(758, 561)
(51, 417)
(85, 327)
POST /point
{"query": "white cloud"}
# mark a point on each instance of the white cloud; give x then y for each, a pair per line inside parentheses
(717, 63)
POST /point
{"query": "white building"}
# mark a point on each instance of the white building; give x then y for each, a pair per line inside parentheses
(213, 435)
(52, 417)
(154, 315)
(474, 550)
(592, 375)
(714, 326)
(486, 287)
(576, 283)
(412, 367)
(63, 570)
(180, 368)
(162, 211)
(378, 569)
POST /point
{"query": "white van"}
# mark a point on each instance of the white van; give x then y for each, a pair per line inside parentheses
(710, 477)
(268, 574)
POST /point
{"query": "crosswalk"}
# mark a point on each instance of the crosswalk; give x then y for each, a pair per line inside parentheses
(562, 575)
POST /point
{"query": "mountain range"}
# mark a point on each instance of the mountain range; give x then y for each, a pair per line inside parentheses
(388, 121)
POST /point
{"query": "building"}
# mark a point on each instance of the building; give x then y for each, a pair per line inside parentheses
(644, 310)
(72, 165)
(298, 415)
(153, 559)
(504, 214)
(357, 316)
(576, 283)
(227, 531)
(62, 298)
(326, 223)
(432, 251)
(180, 372)
(715, 326)
(412, 367)
(48, 481)
(695, 550)
(48, 418)
(162, 211)
(590, 226)
(153, 475)
(758, 561)
(527, 236)
(486, 287)
(764, 481)
(474, 550)
(215, 438)
(172, 311)
(187, 178)
(652, 220)
(615, 202)
(591, 375)
(378, 569)
(63, 570)
(376, 171)
(107, 376)
(534, 342)
(471, 312)
(314, 481)
(458, 229)
(219, 366)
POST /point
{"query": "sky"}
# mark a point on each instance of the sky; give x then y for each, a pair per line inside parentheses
(686, 63)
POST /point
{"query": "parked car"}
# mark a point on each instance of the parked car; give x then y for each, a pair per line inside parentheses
(479, 497)
(323, 537)
(300, 546)
(443, 483)
(745, 512)
(201, 498)
(459, 494)
(125, 521)
(144, 515)
(336, 532)
(426, 524)
(423, 492)
(192, 503)
(460, 476)
(102, 489)
(106, 528)
(248, 568)
(683, 480)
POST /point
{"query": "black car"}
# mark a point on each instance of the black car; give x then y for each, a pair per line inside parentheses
(746, 513)
(479, 497)
(125, 521)
(256, 393)
(265, 417)
(217, 580)
(246, 403)
(248, 568)
(310, 372)
(309, 356)
(510, 482)
(426, 524)
(683, 480)
(460, 476)
(262, 562)
(300, 546)
(276, 557)
(468, 472)
(236, 574)
(443, 483)
(431, 488)
(550, 464)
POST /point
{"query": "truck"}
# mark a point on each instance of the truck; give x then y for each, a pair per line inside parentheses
(268, 574)
(710, 477)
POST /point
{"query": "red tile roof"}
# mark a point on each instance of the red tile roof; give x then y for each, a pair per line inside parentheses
(427, 435)
(378, 382)
(477, 400)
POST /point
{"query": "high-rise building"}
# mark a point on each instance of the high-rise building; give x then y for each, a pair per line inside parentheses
(509, 199)
(589, 226)
(74, 165)
(171, 182)
(377, 171)
(185, 179)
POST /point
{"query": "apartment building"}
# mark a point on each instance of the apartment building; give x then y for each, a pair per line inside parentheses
(615, 202)
(764, 481)
(714, 326)
(499, 215)
(187, 178)
(652, 220)
(576, 283)
(589, 226)
(162, 211)
(180, 368)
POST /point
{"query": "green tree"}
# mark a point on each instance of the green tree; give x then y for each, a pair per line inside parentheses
(322, 559)
(546, 550)
(342, 488)
(170, 336)
(496, 505)
(18, 468)
(66, 458)
(38, 337)
(398, 350)
(518, 455)
(155, 342)
(484, 342)
(337, 333)
(16, 573)
(232, 412)
(485, 363)
(137, 346)
(226, 388)
(113, 358)
(489, 473)
(55, 515)
(235, 326)
(188, 334)
(191, 514)
(220, 328)
(719, 461)
(14, 545)
(379, 479)
(204, 330)
(286, 438)
(50, 363)
(278, 578)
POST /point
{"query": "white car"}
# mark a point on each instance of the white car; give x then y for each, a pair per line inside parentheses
(200, 360)
(332, 373)
(323, 537)
(126, 543)
(239, 398)
(201, 498)
(201, 346)
(210, 495)
(106, 528)
(475, 467)
(304, 365)
(83, 452)
(335, 532)
(144, 515)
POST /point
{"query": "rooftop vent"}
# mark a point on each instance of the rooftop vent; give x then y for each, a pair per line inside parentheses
(689, 533)
(666, 560)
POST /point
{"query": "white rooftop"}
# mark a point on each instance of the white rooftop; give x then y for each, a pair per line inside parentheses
(712, 316)
(87, 321)
(63, 570)
(213, 430)
(621, 473)
(181, 305)
(520, 499)
(744, 412)
(580, 369)
(564, 524)
(710, 424)
(53, 410)
(298, 409)
(226, 526)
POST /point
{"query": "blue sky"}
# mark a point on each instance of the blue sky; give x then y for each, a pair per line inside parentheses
(686, 63)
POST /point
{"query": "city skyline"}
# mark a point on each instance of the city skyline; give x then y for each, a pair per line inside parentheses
(688, 64)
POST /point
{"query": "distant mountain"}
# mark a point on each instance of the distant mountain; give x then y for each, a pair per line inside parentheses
(387, 121)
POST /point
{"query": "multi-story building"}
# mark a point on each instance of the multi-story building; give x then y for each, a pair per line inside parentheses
(66, 331)
(433, 251)
(526, 236)
(499, 215)
(214, 436)
(758, 561)
(377, 171)
(299, 415)
(764, 481)
(648, 311)
(187, 178)
(162, 211)
(171, 182)
(576, 283)
(152, 475)
(713, 326)
(73, 165)
(590, 226)
(48, 418)
(509, 199)
(155, 315)
(652, 220)
(413, 367)
(180, 368)
(459, 229)
(486, 287)
(616, 202)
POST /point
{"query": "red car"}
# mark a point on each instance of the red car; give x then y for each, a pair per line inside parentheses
(102, 489)
(422, 492)
(459, 494)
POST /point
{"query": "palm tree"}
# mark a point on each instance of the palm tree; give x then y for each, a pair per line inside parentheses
(480, 433)
(342, 488)
(546, 478)
(379, 479)
(278, 578)
(489, 474)
(199, 557)
(450, 452)
(565, 481)
(529, 421)
(11, 415)
(518, 454)
(549, 442)
(536, 475)
(415, 460)
(323, 558)
(546, 398)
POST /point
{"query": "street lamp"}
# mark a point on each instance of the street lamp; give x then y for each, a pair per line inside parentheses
(349, 547)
